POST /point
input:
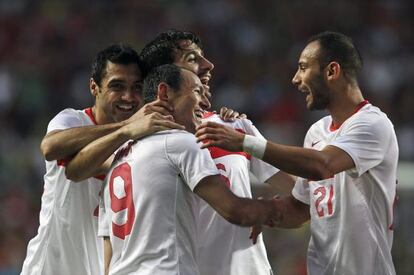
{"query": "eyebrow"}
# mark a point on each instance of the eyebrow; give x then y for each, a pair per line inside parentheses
(195, 53)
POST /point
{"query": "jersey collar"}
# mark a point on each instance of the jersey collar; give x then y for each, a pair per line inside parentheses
(89, 112)
(334, 127)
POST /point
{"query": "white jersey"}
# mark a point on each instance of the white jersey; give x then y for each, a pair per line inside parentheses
(66, 242)
(225, 249)
(149, 208)
(352, 213)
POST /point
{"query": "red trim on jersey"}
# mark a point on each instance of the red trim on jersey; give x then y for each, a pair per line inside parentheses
(62, 162)
(100, 177)
(89, 112)
(216, 152)
(334, 127)
(208, 114)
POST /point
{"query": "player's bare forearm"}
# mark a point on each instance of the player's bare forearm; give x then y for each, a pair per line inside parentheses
(298, 161)
(63, 144)
(95, 158)
(292, 213)
(240, 211)
(107, 254)
(308, 163)
(249, 212)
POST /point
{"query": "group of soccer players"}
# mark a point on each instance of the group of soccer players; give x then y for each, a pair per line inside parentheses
(128, 189)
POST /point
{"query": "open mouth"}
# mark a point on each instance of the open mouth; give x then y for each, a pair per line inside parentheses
(199, 114)
(125, 107)
(205, 78)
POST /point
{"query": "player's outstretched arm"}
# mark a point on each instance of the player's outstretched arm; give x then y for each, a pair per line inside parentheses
(298, 161)
(96, 157)
(63, 144)
(236, 210)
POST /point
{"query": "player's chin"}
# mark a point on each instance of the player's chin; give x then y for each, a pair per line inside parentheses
(121, 116)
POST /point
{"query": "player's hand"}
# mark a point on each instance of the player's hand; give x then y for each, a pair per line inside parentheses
(149, 124)
(158, 106)
(255, 231)
(214, 134)
(230, 115)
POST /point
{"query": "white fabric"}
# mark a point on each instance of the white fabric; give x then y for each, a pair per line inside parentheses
(66, 242)
(254, 146)
(164, 168)
(351, 214)
(225, 249)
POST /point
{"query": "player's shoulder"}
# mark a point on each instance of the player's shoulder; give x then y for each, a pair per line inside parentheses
(70, 111)
(372, 117)
(177, 135)
(180, 141)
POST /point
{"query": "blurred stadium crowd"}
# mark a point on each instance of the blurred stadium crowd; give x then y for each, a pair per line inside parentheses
(46, 47)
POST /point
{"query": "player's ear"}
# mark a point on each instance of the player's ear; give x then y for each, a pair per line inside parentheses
(162, 91)
(333, 70)
(93, 87)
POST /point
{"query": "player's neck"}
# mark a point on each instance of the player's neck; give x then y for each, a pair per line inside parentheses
(99, 116)
(345, 104)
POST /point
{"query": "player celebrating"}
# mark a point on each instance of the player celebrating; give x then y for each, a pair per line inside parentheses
(67, 241)
(149, 209)
(224, 248)
(347, 168)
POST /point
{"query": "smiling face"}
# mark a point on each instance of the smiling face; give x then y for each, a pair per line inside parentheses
(309, 78)
(120, 94)
(187, 101)
(191, 57)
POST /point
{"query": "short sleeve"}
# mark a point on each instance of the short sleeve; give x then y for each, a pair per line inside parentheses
(103, 216)
(301, 190)
(66, 119)
(260, 169)
(193, 162)
(366, 141)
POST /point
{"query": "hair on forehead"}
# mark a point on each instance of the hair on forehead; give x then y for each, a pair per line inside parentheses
(117, 54)
(163, 48)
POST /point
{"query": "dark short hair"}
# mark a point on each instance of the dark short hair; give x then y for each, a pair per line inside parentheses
(338, 47)
(116, 53)
(162, 49)
(169, 74)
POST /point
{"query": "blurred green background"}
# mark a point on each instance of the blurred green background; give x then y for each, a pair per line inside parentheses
(46, 48)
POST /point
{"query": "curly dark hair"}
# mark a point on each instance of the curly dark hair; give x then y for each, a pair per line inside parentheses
(161, 50)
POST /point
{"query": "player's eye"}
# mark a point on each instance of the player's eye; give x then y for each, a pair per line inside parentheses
(117, 86)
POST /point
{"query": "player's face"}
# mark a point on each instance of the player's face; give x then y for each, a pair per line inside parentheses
(187, 102)
(309, 78)
(191, 57)
(120, 94)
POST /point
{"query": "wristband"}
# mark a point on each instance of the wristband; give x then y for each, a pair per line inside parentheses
(255, 146)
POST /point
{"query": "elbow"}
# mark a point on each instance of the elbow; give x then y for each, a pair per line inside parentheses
(322, 170)
(70, 175)
(46, 150)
